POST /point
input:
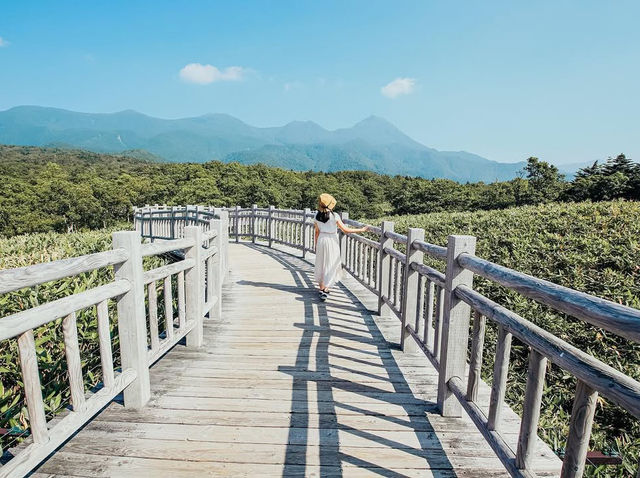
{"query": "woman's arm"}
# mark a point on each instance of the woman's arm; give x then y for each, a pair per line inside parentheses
(316, 232)
(350, 230)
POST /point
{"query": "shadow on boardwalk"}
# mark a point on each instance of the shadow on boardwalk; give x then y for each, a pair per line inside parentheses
(342, 316)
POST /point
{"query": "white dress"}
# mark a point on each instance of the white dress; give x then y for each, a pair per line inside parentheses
(328, 262)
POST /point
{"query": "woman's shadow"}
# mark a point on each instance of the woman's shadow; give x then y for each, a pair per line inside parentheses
(357, 348)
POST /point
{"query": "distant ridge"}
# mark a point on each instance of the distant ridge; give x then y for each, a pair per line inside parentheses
(372, 144)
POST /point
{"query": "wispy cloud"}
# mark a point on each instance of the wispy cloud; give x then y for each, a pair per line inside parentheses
(205, 74)
(399, 86)
(293, 85)
(3, 42)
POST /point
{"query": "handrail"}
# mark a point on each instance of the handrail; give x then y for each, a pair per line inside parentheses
(15, 279)
(613, 317)
(611, 383)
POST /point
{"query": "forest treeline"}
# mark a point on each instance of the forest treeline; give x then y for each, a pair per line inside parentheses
(48, 189)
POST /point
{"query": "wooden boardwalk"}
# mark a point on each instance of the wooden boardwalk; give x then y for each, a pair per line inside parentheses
(288, 386)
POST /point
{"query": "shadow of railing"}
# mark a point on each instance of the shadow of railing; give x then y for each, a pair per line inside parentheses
(399, 407)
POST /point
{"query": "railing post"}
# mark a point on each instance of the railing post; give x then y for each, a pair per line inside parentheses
(531, 410)
(411, 281)
(173, 222)
(132, 324)
(455, 326)
(218, 265)
(254, 220)
(384, 263)
(343, 240)
(151, 225)
(270, 225)
(305, 238)
(236, 223)
(224, 238)
(584, 407)
(194, 286)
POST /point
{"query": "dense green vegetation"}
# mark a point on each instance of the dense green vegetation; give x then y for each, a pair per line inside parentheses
(24, 250)
(592, 247)
(61, 190)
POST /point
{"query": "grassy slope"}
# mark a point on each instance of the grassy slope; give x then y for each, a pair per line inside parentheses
(594, 248)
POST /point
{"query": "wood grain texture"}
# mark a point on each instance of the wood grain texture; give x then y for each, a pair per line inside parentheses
(500, 373)
(74, 364)
(104, 339)
(624, 321)
(32, 387)
(531, 409)
(455, 323)
(611, 383)
(475, 364)
(33, 318)
(410, 286)
(152, 298)
(132, 328)
(29, 276)
(194, 287)
(286, 385)
(584, 407)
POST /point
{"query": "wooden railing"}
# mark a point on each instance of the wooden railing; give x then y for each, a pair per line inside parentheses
(196, 278)
(435, 310)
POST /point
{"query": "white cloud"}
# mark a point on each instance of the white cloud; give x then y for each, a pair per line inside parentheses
(399, 86)
(3, 42)
(205, 74)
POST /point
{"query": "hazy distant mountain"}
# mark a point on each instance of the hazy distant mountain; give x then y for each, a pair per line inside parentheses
(372, 144)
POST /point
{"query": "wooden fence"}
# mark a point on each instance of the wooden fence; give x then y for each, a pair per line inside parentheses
(196, 278)
(435, 311)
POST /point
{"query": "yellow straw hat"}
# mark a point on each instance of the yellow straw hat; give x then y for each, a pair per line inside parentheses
(326, 201)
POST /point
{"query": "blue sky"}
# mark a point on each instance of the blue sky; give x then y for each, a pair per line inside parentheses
(503, 79)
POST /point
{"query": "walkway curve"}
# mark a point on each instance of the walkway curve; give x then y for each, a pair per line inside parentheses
(286, 386)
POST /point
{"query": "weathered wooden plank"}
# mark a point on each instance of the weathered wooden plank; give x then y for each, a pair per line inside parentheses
(132, 328)
(74, 365)
(455, 323)
(531, 409)
(475, 364)
(610, 382)
(33, 318)
(152, 296)
(104, 339)
(584, 407)
(622, 320)
(167, 271)
(500, 372)
(161, 247)
(32, 387)
(29, 276)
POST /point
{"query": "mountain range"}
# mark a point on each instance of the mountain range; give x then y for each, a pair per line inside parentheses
(373, 144)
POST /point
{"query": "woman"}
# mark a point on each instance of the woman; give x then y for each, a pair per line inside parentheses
(328, 263)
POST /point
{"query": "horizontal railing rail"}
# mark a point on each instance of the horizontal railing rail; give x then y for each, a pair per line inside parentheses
(196, 280)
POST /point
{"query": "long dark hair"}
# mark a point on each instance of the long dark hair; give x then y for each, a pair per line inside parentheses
(323, 216)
